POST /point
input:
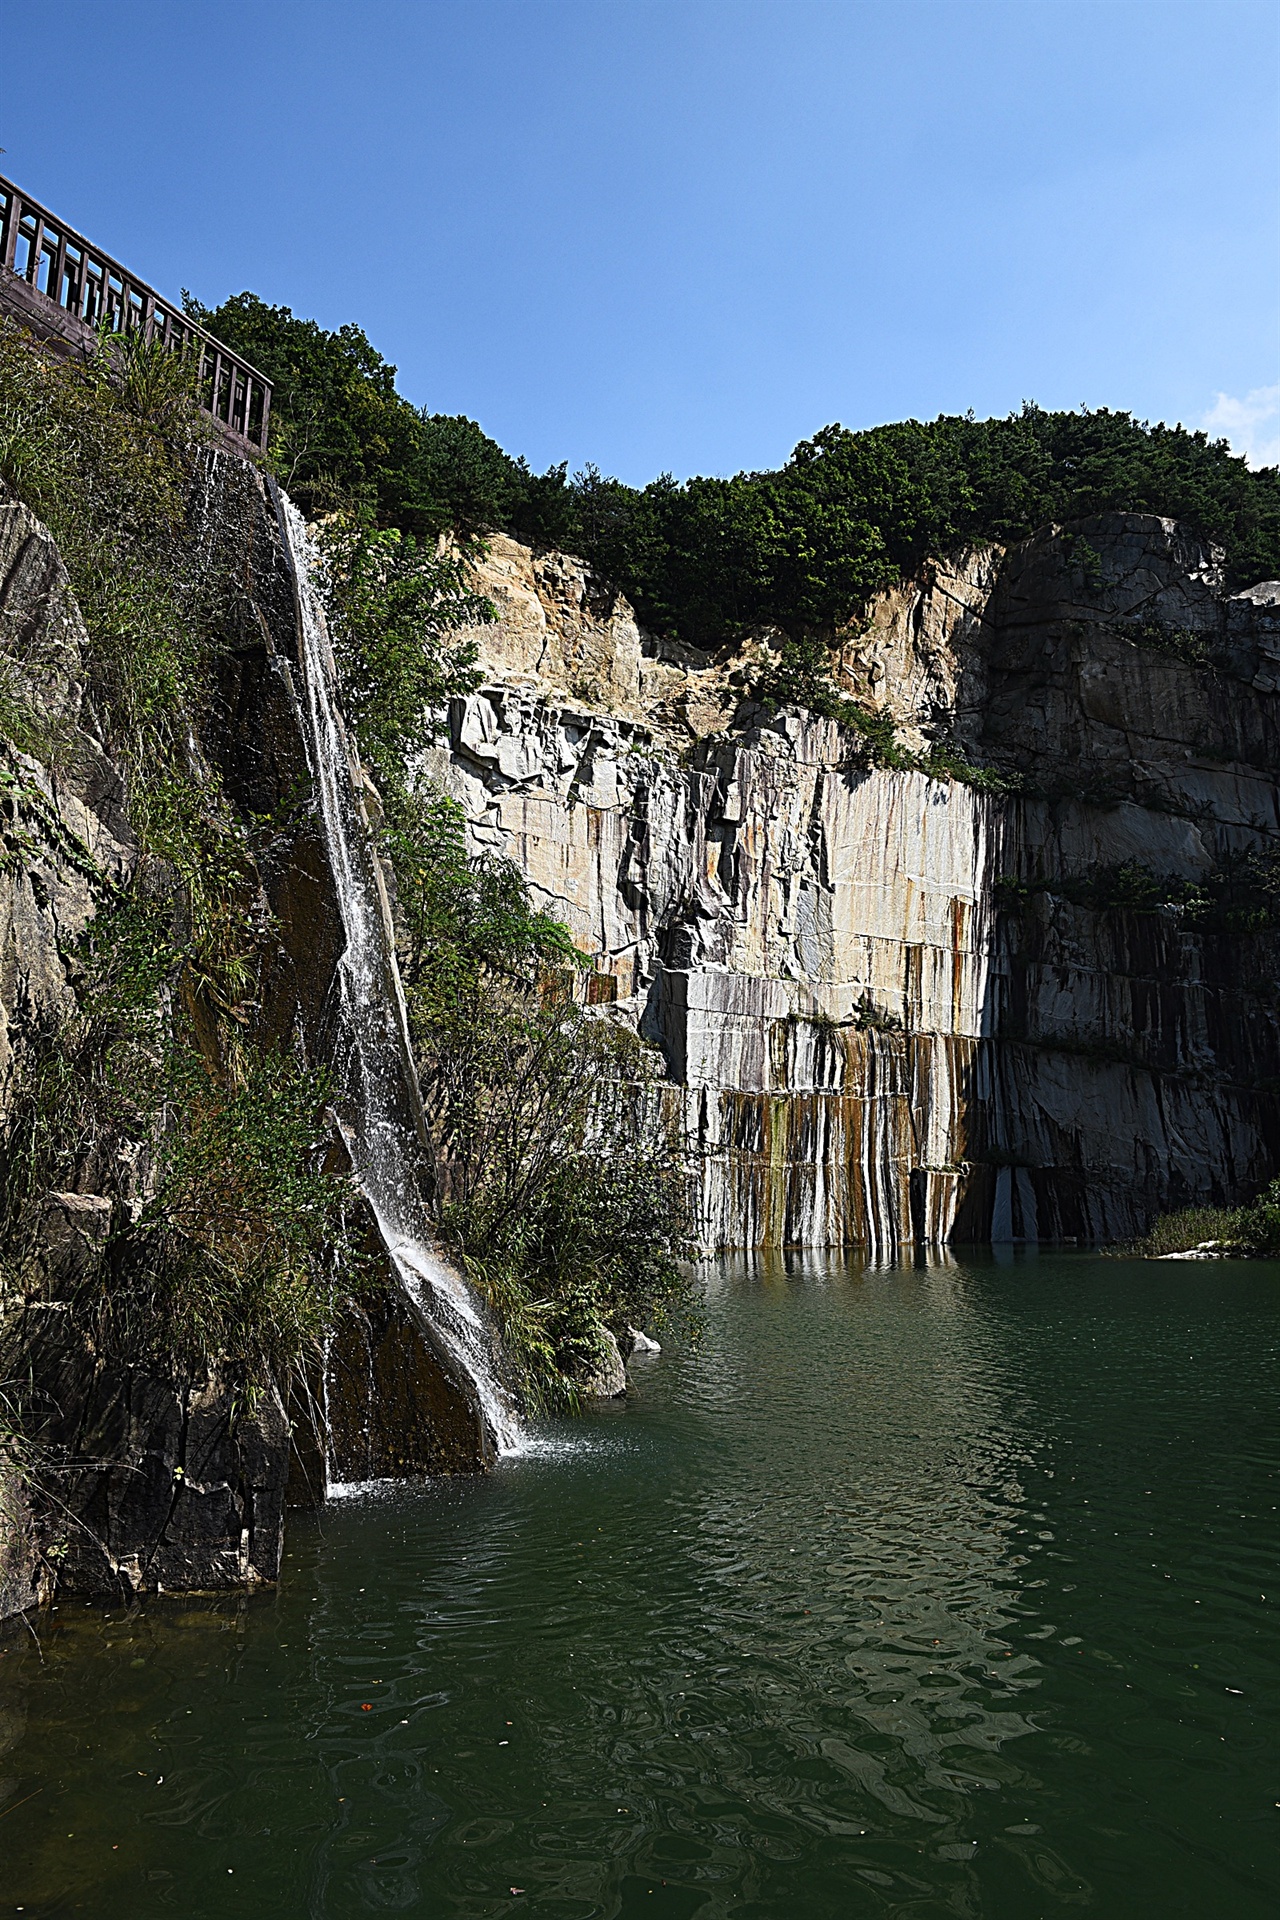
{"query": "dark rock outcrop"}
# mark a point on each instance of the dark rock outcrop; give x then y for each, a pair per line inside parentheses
(151, 1478)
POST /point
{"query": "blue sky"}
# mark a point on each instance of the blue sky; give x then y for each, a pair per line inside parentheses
(684, 236)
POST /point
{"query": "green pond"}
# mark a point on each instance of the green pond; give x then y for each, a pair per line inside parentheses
(947, 1589)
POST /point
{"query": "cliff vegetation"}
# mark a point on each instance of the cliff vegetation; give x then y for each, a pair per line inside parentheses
(1248, 1233)
(155, 1090)
(230, 1236)
(795, 553)
(799, 548)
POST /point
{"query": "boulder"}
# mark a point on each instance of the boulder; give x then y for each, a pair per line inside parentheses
(608, 1380)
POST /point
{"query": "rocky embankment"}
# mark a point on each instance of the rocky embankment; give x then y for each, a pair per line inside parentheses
(899, 1007)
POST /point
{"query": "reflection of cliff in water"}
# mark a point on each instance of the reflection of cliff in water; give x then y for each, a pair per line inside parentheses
(911, 1576)
(868, 1039)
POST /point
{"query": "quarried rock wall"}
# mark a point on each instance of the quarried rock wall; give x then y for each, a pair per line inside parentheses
(885, 1012)
(809, 942)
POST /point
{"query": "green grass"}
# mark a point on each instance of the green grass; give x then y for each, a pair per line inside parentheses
(1251, 1232)
(1180, 1232)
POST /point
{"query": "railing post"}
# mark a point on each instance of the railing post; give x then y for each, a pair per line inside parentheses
(11, 235)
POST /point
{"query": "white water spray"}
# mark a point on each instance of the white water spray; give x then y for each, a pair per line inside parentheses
(375, 1025)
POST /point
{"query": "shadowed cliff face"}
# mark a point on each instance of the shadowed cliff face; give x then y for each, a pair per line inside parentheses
(889, 1007)
(160, 1476)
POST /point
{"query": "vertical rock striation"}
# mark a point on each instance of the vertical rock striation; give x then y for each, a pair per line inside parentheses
(896, 1007)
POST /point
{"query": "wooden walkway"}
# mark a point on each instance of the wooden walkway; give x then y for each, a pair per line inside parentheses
(68, 292)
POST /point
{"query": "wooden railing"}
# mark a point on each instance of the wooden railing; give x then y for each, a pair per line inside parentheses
(69, 292)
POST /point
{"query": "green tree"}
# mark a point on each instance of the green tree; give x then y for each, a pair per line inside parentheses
(799, 548)
(802, 548)
(341, 435)
(550, 1185)
(400, 616)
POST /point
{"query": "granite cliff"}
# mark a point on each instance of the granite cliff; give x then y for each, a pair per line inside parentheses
(895, 1005)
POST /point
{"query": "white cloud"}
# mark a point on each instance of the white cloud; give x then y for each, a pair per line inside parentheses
(1252, 425)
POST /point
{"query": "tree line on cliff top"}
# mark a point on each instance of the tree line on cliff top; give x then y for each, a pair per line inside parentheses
(707, 559)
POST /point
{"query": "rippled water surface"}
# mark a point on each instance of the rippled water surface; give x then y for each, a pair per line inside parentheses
(942, 1591)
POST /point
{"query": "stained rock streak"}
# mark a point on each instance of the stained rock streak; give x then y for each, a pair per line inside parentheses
(887, 1015)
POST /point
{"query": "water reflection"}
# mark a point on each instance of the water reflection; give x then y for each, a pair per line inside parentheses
(870, 1616)
(885, 1599)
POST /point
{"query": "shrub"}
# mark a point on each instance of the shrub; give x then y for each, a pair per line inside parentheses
(235, 1252)
(1252, 1232)
(227, 1221)
(399, 615)
(547, 1181)
(156, 1090)
(103, 452)
(1180, 1232)
(1257, 1231)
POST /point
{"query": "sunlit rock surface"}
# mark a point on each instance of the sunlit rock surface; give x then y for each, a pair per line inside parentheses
(62, 808)
(869, 1036)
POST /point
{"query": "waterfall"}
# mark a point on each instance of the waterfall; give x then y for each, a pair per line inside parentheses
(379, 1069)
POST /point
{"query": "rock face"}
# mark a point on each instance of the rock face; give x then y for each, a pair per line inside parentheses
(60, 816)
(885, 1013)
(155, 1479)
(23, 1580)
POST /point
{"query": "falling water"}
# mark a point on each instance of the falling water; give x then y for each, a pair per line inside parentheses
(376, 1027)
